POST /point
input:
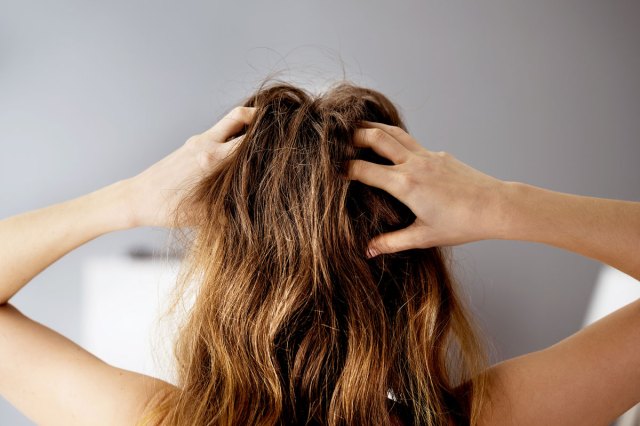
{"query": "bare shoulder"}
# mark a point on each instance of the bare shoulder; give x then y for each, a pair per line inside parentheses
(54, 381)
(141, 392)
(589, 378)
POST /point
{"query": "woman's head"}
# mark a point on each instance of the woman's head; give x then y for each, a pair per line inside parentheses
(292, 324)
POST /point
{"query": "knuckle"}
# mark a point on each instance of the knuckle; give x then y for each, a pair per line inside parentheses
(411, 182)
(413, 178)
(377, 135)
(374, 136)
(240, 113)
(407, 182)
(234, 114)
(206, 159)
(396, 130)
(403, 182)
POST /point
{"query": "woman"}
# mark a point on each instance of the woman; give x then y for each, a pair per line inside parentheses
(322, 289)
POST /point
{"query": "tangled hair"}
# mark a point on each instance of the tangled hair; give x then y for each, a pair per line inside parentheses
(292, 324)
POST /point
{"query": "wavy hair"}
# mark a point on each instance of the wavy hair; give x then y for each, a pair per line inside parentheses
(292, 324)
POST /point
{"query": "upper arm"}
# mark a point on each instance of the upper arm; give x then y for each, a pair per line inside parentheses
(53, 381)
(591, 377)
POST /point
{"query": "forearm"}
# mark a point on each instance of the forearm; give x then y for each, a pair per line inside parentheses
(31, 241)
(602, 229)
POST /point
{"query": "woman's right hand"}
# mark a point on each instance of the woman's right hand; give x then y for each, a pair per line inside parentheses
(453, 203)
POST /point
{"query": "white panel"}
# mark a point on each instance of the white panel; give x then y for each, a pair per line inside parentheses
(613, 290)
(121, 304)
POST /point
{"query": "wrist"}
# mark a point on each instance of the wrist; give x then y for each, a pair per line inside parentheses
(116, 203)
(510, 200)
(530, 213)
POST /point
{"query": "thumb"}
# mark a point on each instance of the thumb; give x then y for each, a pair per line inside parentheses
(391, 242)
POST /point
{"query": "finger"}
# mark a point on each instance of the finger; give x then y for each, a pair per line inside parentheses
(395, 241)
(232, 123)
(232, 144)
(379, 176)
(382, 143)
(225, 147)
(401, 136)
(372, 174)
(234, 141)
(210, 156)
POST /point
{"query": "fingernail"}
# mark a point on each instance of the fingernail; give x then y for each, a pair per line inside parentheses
(371, 253)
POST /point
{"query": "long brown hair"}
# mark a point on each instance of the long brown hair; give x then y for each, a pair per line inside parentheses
(292, 324)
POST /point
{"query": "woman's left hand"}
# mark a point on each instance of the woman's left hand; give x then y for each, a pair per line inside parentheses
(154, 193)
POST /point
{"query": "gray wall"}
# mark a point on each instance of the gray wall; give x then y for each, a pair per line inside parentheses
(545, 92)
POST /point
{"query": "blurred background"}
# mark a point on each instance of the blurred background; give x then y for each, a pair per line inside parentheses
(544, 92)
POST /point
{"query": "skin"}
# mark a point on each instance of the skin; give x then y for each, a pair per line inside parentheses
(588, 378)
(46, 376)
